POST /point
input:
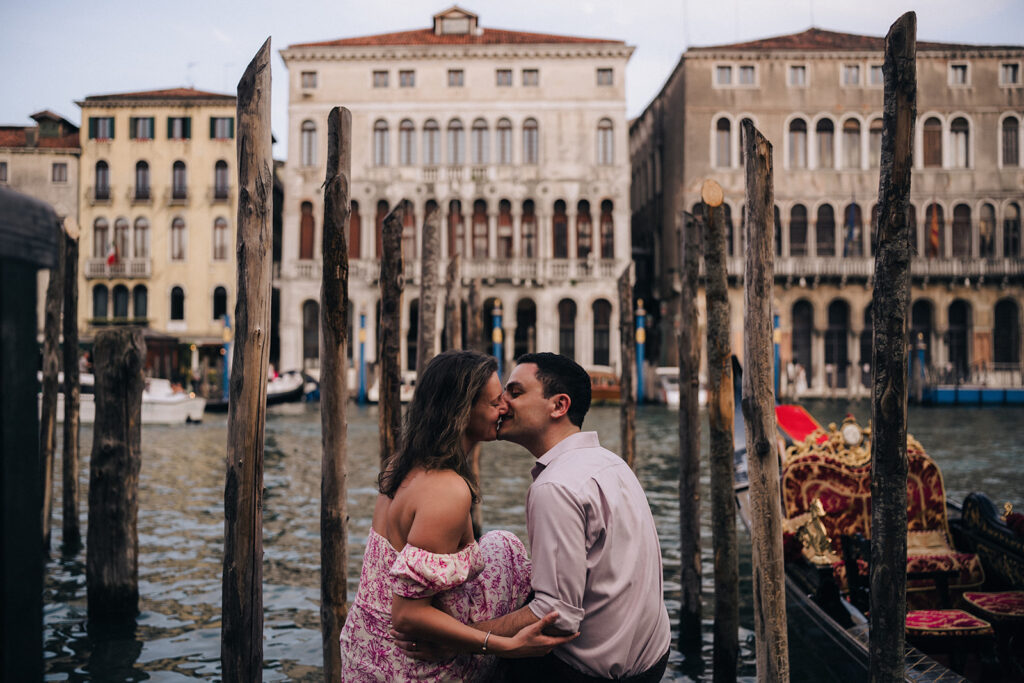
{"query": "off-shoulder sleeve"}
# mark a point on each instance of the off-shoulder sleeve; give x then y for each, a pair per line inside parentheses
(417, 573)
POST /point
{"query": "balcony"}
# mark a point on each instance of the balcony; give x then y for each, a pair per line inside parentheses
(140, 195)
(176, 196)
(127, 268)
(219, 194)
(845, 268)
(98, 195)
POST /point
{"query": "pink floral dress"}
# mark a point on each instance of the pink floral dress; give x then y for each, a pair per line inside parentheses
(482, 581)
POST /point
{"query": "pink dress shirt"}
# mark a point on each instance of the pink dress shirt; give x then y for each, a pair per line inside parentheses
(596, 559)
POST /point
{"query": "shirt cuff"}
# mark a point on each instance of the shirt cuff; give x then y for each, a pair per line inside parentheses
(569, 617)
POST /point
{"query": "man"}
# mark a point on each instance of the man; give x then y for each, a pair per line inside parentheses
(595, 550)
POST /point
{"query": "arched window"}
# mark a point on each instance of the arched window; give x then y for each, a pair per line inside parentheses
(958, 334)
(480, 147)
(798, 230)
(382, 213)
(803, 330)
(308, 152)
(220, 303)
(584, 230)
(99, 238)
(723, 143)
(607, 230)
(141, 180)
(853, 230)
(987, 231)
(355, 229)
(412, 334)
(140, 302)
(504, 141)
(456, 142)
(932, 138)
(605, 143)
(220, 239)
(778, 231)
(851, 143)
(837, 354)
(306, 230)
(102, 190)
(866, 334)
(121, 238)
(221, 182)
(560, 231)
(602, 332)
(431, 143)
(177, 303)
(406, 143)
(531, 141)
(921, 327)
(179, 239)
(1011, 231)
(567, 328)
(529, 228)
(962, 230)
(140, 238)
(935, 227)
(456, 228)
(825, 231)
(120, 301)
(959, 140)
(875, 143)
(479, 229)
(1006, 332)
(798, 143)
(1011, 142)
(179, 181)
(825, 134)
(504, 241)
(380, 143)
(408, 232)
(525, 340)
(99, 302)
(311, 334)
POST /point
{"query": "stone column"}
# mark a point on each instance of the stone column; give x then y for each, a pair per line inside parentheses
(492, 235)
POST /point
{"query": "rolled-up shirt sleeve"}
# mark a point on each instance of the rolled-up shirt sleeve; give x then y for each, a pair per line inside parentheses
(557, 522)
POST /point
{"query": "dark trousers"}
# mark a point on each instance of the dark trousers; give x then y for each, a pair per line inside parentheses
(551, 668)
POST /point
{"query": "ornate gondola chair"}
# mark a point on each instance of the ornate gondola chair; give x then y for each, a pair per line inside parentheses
(836, 470)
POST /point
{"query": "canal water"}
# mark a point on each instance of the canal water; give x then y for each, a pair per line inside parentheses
(177, 636)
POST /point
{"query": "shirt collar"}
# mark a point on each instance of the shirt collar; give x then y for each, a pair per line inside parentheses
(569, 443)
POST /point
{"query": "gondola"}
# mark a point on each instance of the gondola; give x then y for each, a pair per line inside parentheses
(285, 388)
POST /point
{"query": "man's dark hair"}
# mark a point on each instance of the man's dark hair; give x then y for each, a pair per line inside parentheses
(561, 375)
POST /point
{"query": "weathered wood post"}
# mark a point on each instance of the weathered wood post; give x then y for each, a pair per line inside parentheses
(430, 257)
(474, 319)
(720, 430)
(242, 598)
(889, 356)
(334, 340)
(769, 584)
(51, 366)
(71, 532)
(391, 282)
(688, 343)
(112, 547)
(453, 304)
(627, 385)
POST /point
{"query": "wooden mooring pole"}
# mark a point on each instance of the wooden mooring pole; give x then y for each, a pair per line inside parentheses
(891, 304)
(334, 340)
(688, 343)
(391, 282)
(720, 431)
(71, 532)
(453, 304)
(769, 582)
(430, 258)
(51, 366)
(627, 385)
(242, 594)
(112, 546)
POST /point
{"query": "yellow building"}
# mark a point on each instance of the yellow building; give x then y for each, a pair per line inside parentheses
(157, 207)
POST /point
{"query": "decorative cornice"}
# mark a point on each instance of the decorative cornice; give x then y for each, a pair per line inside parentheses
(435, 52)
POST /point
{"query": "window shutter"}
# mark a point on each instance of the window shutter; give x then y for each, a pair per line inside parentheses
(92, 127)
(188, 127)
(231, 128)
(170, 128)
(111, 127)
(152, 127)
(213, 125)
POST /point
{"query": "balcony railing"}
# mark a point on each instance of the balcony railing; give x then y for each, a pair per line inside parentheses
(863, 268)
(126, 267)
(98, 195)
(515, 271)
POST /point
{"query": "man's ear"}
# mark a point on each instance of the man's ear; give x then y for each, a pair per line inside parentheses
(560, 406)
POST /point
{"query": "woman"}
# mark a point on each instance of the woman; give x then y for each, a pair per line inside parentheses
(422, 570)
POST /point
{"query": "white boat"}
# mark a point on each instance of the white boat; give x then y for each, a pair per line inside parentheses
(405, 390)
(161, 402)
(667, 388)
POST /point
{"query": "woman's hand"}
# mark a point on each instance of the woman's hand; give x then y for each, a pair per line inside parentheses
(529, 641)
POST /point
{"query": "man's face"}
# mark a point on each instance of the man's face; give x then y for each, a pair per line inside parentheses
(528, 411)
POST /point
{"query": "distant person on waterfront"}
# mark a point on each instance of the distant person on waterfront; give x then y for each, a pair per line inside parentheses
(422, 570)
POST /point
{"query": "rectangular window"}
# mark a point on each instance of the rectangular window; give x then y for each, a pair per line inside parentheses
(851, 74)
(958, 74)
(1009, 74)
(3, 171)
(876, 76)
(503, 78)
(407, 79)
(531, 77)
(60, 172)
(101, 127)
(456, 78)
(798, 76)
(222, 128)
(746, 75)
(380, 79)
(140, 128)
(179, 127)
(723, 75)
(605, 77)
(308, 79)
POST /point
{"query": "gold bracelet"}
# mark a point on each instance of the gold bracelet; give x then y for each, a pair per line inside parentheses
(486, 638)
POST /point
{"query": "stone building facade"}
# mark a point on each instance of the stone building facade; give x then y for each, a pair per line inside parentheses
(519, 141)
(817, 97)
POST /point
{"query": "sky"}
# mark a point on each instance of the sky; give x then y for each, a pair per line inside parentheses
(55, 52)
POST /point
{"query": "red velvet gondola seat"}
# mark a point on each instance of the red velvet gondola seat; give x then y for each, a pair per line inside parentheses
(1005, 606)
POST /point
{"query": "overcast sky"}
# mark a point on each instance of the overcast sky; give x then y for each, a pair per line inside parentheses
(57, 51)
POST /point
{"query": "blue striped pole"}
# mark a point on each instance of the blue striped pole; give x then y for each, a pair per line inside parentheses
(362, 358)
(641, 339)
(496, 336)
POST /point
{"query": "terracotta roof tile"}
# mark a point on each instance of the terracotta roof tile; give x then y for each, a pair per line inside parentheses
(12, 136)
(17, 136)
(487, 36)
(819, 39)
(165, 94)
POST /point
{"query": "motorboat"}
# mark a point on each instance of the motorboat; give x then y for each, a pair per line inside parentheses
(283, 388)
(667, 387)
(162, 402)
(405, 389)
(605, 387)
